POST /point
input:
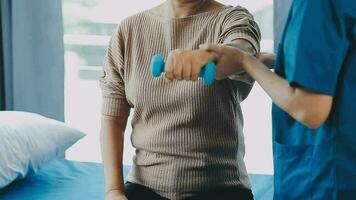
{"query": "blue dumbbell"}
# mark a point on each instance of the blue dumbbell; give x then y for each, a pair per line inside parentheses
(207, 72)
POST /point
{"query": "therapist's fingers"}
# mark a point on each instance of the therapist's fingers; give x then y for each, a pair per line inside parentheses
(218, 48)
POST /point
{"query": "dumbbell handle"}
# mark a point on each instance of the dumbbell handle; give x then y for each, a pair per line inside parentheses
(207, 72)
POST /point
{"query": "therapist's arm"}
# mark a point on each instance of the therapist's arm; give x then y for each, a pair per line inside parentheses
(268, 59)
(112, 142)
(307, 107)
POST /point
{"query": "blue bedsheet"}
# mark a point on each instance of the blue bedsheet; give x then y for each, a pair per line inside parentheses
(69, 180)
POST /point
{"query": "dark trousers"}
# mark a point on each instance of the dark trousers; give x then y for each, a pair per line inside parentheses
(138, 192)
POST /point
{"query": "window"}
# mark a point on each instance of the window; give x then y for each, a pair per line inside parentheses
(88, 25)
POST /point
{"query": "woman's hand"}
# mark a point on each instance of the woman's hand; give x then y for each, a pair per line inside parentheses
(230, 59)
(115, 195)
(185, 64)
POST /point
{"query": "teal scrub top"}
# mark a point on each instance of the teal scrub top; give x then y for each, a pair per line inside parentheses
(318, 52)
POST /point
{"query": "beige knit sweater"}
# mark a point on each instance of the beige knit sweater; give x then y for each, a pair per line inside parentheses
(188, 136)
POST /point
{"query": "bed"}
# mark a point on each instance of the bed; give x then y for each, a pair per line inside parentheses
(62, 179)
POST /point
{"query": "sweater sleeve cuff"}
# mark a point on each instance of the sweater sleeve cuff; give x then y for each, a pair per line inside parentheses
(246, 36)
(115, 107)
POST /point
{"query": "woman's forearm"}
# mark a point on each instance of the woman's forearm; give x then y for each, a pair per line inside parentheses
(112, 142)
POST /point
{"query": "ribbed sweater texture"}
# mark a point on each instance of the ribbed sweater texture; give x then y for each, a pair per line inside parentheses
(188, 136)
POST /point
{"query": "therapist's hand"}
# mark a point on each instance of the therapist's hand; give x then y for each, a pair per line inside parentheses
(115, 195)
(230, 59)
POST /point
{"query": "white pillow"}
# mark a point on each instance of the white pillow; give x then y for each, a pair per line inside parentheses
(28, 141)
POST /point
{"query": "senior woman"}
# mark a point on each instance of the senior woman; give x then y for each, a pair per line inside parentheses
(188, 136)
